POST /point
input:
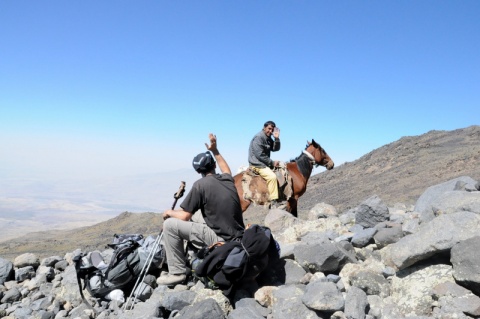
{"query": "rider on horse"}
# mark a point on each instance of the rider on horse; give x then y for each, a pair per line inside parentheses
(259, 157)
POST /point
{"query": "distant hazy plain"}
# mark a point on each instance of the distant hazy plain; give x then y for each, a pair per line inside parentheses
(29, 205)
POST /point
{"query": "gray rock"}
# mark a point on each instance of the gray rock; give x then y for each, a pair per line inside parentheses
(248, 308)
(315, 237)
(69, 291)
(6, 271)
(411, 290)
(410, 226)
(326, 257)
(465, 260)
(321, 210)
(143, 291)
(287, 292)
(151, 281)
(371, 282)
(456, 299)
(293, 272)
(244, 312)
(356, 303)
(333, 278)
(22, 313)
(323, 296)
(376, 305)
(356, 228)
(371, 212)
(144, 310)
(47, 271)
(25, 260)
(43, 303)
(252, 304)
(177, 300)
(363, 237)
(50, 261)
(80, 312)
(205, 309)
(61, 265)
(278, 220)
(434, 237)
(11, 296)
(344, 237)
(455, 201)
(387, 236)
(286, 250)
(348, 218)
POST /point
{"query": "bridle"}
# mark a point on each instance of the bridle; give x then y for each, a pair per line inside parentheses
(311, 158)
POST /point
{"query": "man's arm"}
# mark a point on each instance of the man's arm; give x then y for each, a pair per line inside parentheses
(276, 140)
(177, 213)
(222, 164)
(276, 145)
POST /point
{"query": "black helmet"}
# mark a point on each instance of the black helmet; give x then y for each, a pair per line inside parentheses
(203, 162)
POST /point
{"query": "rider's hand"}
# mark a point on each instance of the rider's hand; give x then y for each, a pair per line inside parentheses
(276, 132)
(213, 143)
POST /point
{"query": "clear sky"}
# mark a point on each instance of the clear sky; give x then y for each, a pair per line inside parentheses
(112, 88)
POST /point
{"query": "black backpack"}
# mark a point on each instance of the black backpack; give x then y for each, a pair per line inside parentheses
(226, 265)
(130, 254)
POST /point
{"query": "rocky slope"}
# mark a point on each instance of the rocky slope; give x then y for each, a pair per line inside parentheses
(399, 171)
(370, 262)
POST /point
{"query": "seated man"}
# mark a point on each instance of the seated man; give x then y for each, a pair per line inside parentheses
(216, 197)
(259, 157)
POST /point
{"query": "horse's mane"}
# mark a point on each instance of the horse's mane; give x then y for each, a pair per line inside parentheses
(303, 164)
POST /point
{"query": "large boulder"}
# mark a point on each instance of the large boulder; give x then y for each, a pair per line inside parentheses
(435, 237)
(27, 259)
(411, 290)
(465, 259)
(455, 301)
(431, 200)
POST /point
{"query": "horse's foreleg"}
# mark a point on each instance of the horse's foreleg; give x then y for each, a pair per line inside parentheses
(292, 206)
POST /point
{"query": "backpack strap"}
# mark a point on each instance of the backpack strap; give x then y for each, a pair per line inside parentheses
(78, 259)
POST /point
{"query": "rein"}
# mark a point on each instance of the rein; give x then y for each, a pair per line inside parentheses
(305, 163)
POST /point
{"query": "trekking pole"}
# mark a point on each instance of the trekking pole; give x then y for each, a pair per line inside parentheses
(178, 194)
(151, 254)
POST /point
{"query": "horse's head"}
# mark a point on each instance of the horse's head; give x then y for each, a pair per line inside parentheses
(320, 156)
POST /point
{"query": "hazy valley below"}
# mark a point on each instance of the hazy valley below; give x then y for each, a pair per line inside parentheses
(29, 205)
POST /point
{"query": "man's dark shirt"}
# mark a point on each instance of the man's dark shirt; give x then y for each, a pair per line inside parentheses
(217, 198)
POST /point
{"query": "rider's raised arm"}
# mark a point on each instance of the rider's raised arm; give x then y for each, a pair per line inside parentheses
(222, 164)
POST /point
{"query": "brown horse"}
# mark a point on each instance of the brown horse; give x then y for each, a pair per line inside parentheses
(298, 169)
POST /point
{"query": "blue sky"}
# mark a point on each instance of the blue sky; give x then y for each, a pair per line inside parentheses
(114, 88)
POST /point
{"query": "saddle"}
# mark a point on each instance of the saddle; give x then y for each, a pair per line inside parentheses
(285, 185)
